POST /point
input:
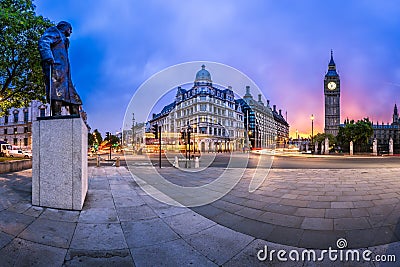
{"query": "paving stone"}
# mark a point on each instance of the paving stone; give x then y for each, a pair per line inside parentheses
(168, 210)
(25, 253)
(227, 206)
(286, 235)
(295, 202)
(135, 213)
(128, 201)
(228, 219)
(281, 219)
(98, 215)
(342, 205)
(48, 232)
(249, 213)
(171, 253)
(98, 258)
(218, 243)
(317, 224)
(180, 223)
(319, 205)
(60, 215)
(20, 207)
(5, 239)
(207, 211)
(34, 211)
(147, 232)
(338, 213)
(254, 228)
(279, 208)
(107, 236)
(309, 212)
(351, 223)
(13, 223)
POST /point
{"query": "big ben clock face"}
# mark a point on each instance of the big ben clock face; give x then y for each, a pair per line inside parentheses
(331, 85)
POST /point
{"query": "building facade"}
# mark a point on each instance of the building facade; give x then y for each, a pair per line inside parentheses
(261, 127)
(282, 128)
(332, 99)
(208, 111)
(16, 127)
(384, 132)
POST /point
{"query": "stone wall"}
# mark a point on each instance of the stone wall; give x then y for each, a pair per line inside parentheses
(15, 165)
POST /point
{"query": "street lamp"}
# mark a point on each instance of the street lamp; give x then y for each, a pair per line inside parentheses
(189, 129)
(312, 129)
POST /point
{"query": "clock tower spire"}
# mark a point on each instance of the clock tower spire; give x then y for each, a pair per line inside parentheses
(332, 99)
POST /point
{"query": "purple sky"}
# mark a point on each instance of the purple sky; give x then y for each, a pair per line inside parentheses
(283, 46)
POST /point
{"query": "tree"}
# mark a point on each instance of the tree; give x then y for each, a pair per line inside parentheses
(359, 132)
(21, 78)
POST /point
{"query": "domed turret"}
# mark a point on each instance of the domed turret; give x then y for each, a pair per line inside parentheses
(203, 75)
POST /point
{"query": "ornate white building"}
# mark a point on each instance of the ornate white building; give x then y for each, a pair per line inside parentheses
(215, 120)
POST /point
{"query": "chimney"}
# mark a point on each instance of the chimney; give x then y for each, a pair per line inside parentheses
(230, 87)
(280, 112)
(247, 90)
(274, 108)
(259, 98)
(267, 102)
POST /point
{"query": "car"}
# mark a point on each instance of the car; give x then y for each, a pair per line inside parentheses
(20, 154)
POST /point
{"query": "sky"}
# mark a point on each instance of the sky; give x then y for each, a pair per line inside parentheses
(282, 46)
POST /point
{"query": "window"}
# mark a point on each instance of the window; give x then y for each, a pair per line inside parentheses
(16, 116)
(5, 131)
(15, 141)
(25, 141)
(26, 129)
(15, 130)
(26, 116)
(5, 119)
(203, 107)
(42, 112)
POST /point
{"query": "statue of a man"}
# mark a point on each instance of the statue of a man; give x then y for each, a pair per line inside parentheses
(53, 48)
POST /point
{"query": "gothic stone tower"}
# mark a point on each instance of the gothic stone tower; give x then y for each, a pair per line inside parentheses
(332, 99)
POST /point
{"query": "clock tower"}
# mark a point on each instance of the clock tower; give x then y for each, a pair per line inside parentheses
(332, 99)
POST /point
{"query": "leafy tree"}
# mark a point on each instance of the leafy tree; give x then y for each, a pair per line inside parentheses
(320, 137)
(21, 78)
(359, 132)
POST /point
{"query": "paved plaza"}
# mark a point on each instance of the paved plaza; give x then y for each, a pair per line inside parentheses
(121, 225)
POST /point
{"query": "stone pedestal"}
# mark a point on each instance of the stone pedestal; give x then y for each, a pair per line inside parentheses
(326, 146)
(351, 148)
(375, 147)
(391, 146)
(59, 166)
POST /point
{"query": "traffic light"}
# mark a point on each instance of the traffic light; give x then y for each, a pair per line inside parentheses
(108, 136)
(154, 130)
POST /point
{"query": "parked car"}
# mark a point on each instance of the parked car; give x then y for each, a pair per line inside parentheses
(20, 154)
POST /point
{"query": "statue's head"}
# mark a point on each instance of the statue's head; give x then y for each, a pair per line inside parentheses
(65, 28)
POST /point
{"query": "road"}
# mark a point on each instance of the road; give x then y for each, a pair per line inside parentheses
(288, 162)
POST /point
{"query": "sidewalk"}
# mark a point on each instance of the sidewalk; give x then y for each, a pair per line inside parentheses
(121, 226)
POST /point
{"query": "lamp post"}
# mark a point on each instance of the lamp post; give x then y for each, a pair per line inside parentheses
(189, 129)
(312, 129)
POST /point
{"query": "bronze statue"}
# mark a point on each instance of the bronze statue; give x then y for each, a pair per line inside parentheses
(53, 48)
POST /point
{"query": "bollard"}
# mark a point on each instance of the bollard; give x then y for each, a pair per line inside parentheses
(117, 163)
(176, 162)
(98, 161)
(197, 163)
